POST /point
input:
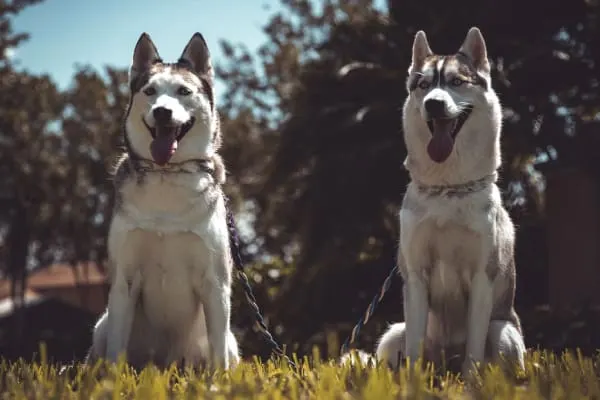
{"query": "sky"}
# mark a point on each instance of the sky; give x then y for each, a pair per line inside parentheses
(65, 33)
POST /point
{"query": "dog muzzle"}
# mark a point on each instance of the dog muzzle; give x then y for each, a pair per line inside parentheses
(166, 139)
(443, 134)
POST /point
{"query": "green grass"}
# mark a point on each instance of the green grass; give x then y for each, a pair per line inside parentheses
(547, 376)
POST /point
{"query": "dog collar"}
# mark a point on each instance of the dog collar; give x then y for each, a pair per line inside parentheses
(190, 166)
(459, 190)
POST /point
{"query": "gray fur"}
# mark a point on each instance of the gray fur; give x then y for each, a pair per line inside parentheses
(456, 251)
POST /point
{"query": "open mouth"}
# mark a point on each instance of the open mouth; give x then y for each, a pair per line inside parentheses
(443, 133)
(166, 138)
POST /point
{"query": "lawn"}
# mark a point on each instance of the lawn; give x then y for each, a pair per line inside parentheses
(547, 376)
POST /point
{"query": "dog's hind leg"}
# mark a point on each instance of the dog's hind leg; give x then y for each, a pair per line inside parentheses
(391, 347)
(505, 345)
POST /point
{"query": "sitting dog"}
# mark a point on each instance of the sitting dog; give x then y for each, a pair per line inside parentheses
(456, 239)
(170, 265)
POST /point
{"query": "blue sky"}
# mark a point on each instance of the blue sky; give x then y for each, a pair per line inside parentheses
(99, 32)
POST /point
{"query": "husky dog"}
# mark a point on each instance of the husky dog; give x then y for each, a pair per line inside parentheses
(457, 241)
(169, 257)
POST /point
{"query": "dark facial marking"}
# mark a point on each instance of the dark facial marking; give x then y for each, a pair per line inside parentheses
(207, 82)
(138, 81)
(439, 76)
(467, 69)
(460, 62)
(185, 68)
(418, 76)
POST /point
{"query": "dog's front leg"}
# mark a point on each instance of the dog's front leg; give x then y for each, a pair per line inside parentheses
(215, 296)
(416, 309)
(480, 311)
(121, 308)
(99, 337)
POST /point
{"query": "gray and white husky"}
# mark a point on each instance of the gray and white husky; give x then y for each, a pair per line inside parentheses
(169, 258)
(457, 241)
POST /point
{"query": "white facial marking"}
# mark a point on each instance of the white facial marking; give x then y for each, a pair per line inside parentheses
(439, 66)
(180, 115)
(167, 85)
(443, 95)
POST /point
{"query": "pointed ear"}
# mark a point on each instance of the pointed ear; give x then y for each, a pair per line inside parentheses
(196, 54)
(420, 51)
(144, 55)
(474, 48)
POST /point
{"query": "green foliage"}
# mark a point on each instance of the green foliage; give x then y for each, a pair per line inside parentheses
(546, 376)
(8, 38)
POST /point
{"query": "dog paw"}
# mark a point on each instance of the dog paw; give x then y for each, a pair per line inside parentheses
(470, 371)
(357, 358)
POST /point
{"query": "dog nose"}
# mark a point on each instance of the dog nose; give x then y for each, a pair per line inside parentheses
(162, 115)
(435, 108)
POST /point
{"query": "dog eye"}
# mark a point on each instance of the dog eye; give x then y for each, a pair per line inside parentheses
(457, 82)
(150, 91)
(183, 91)
(424, 84)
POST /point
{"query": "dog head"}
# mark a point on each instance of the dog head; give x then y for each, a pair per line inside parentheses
(452, 116)
(171, 115)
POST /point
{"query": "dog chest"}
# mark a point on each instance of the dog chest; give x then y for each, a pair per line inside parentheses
(171, 201)
(427, 240)
(171, 264)
(446, 248)
(168, 295)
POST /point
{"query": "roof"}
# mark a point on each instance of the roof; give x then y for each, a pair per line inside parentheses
(59, 275)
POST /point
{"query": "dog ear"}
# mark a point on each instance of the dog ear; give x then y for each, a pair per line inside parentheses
(474, 48)
(197, 55)
(420, 51)
(144, 55)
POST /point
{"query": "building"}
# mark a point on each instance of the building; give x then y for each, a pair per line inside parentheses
(60, 307)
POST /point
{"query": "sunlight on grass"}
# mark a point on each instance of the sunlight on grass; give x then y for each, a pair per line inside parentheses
(547, 376)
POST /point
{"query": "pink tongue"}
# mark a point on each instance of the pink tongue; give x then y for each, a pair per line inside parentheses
(441, 143)
(163, 147)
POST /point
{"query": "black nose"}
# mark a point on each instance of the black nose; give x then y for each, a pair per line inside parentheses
(162, 115)
(435, 108)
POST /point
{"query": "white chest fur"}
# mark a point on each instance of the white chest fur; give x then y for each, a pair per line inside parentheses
(168, 203)
(448, 230)
(447, 241)
(170, 230)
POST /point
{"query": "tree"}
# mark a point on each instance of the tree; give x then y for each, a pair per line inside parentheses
(27, 162)
(55, 147)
